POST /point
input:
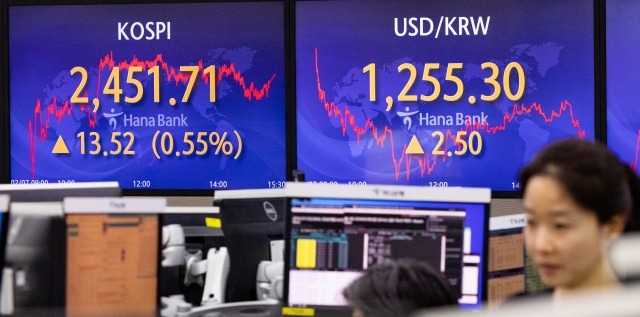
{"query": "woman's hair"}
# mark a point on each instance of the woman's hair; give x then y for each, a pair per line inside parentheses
(398, 288)
(594, 177)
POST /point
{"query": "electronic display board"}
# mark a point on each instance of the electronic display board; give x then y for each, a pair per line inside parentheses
(439, 93)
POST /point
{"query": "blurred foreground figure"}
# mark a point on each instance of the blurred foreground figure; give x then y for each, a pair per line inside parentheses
(579, 198)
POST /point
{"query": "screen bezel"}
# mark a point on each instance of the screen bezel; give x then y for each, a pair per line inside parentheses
(5, 153)
(334, 309)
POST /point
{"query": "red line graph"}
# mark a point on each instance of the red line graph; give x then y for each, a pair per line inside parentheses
(178, 77)
(38, 129)
(381, 134)
(59, 113)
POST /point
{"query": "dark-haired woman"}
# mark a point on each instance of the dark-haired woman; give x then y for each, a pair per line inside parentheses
(578, 198)
(398, 288)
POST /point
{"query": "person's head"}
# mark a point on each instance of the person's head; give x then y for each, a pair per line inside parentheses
(578, 197)
(398, 288)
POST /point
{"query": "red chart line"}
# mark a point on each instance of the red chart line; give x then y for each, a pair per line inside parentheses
(381, 134)
(250, 92)
(38, 129)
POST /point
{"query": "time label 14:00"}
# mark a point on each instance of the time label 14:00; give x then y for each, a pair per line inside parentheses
(196, 143)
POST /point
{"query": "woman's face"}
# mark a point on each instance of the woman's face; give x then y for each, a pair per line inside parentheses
(565, 240)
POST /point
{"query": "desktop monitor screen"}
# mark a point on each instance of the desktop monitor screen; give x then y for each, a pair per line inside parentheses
(112, 257)
(440, 93)
(156, 96)
(332, 241)
(4, 222)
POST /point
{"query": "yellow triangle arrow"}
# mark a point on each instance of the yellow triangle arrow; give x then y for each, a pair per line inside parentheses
(414, 147)
(60, 147)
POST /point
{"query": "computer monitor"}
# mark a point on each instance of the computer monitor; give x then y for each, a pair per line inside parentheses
(112, 256)
(251, 220)
(36, 253)
(145, 92)
(334, 233)
(35, 247)
(511, 270)
(58, 191)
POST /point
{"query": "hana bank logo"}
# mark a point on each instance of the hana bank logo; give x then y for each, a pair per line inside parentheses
(113, 123)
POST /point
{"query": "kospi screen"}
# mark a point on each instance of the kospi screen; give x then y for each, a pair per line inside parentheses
(155, 96)
(623, 64)
(440, 93)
